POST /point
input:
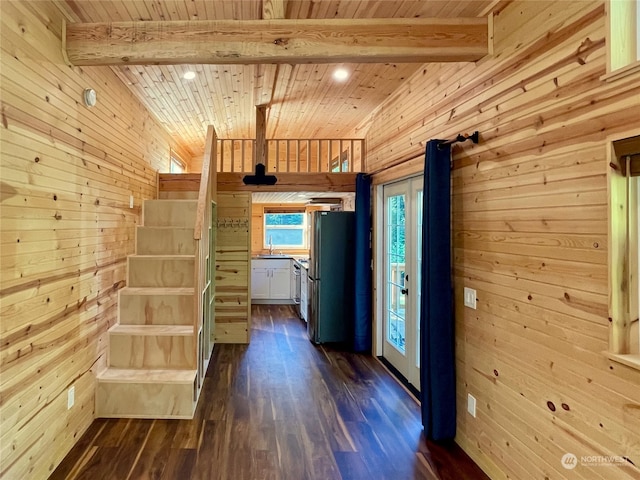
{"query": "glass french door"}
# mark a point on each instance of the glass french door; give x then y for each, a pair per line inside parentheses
(402, 213)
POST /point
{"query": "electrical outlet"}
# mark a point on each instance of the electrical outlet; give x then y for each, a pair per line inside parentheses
(469, 298)
(71, 397)
(471, 405)
(130, 201)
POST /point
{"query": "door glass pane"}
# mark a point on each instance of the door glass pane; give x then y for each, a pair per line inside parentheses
(418, 273)
(395, 315)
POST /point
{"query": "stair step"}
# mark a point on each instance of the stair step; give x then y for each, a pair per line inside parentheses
(160, 270)
(169, 213)
(153, 393)
(156, 306)
(151, 291)
(152, 346)
(165, 240)
(159, 330)
(129, 375)
(179, 195)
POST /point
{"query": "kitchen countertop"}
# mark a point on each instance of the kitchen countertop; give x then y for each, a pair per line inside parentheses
(302, 261)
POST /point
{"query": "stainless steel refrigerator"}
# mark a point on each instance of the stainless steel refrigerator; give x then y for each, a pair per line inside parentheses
(331, 264)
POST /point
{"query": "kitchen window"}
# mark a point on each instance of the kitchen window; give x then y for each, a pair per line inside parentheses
(624, 253)
(285, 228)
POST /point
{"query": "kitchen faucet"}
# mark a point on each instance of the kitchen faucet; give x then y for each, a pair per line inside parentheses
(270, 245)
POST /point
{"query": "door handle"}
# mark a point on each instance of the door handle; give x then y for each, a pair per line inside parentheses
(405, 291)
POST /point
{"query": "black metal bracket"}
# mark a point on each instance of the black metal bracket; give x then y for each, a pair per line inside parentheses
(260, 178)
(474, 137)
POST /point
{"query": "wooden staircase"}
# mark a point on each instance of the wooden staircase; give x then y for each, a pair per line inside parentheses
(160, 348)
(152, 366)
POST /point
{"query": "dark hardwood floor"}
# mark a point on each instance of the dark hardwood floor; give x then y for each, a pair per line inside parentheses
(279, 408)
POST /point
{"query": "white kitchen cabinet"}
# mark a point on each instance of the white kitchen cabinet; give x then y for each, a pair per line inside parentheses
(259, 283)
(280, 284)
(293, 281)
(271, 279)
(304, 287)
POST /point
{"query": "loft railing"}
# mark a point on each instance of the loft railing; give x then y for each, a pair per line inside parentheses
(204, 237)
(293, 155)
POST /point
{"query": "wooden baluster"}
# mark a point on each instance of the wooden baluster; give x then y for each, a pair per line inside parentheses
(287, 154)
(235, 167)
(242, 155)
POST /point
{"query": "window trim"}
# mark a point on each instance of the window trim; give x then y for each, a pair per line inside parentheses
(174, 157)
(284, 211)
(623, 39)
(623, 251)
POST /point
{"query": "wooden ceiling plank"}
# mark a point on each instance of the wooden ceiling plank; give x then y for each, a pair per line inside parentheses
(188, 101)
(278, 41)
(142, 11)
(204, 93)
(320, 90)
(70, 14)
(217, 87)
(153, 81)
(273, 9)
(131, 9)
(175, 10)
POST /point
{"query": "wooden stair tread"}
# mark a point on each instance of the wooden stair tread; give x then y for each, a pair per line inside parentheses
(164, 330)
(157, 291)
(179, 201)
(126, 375)
(165, 227)
(163, 257)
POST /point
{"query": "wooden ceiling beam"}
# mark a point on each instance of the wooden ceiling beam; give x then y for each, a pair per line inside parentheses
(291, 182)
(414, 40)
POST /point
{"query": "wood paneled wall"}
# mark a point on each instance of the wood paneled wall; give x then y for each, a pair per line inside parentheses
(233, 268)
(66, 173)
(530, 235)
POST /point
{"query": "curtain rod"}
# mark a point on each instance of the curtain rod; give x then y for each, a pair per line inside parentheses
(474, 137)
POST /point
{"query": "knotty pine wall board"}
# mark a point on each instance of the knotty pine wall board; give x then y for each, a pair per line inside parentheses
(529, 230)
(233, 268)
(66, 229)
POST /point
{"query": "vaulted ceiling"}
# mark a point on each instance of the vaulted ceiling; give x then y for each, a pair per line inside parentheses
(304, 100)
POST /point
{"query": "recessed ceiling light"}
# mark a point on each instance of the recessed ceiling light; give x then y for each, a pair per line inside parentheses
(341, 74)
(189, 75)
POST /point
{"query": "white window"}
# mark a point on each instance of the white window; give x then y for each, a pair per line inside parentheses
(623, 38)
(624, 251)
(285, 228)
(176, 165)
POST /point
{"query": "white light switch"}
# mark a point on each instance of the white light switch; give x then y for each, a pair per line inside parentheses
(71, 397)
(130, 201)
(469, 298)
(471, 405)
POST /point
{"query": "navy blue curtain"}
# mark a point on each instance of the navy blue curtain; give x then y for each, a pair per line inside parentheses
(437, 368)
(362, 271)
